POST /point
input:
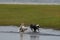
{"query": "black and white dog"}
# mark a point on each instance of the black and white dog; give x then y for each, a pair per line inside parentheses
(34, 27)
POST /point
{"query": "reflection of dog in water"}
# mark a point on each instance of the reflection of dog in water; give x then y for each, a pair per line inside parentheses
(34, 37)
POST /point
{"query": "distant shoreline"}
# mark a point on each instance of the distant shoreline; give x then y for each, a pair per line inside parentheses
(29, 3)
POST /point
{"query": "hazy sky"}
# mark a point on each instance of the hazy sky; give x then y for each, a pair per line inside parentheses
(40, 1)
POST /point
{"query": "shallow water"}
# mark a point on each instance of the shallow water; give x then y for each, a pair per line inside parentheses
(12, 33)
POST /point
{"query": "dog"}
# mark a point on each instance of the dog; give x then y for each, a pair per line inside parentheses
(22, 29)
(34, 27)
